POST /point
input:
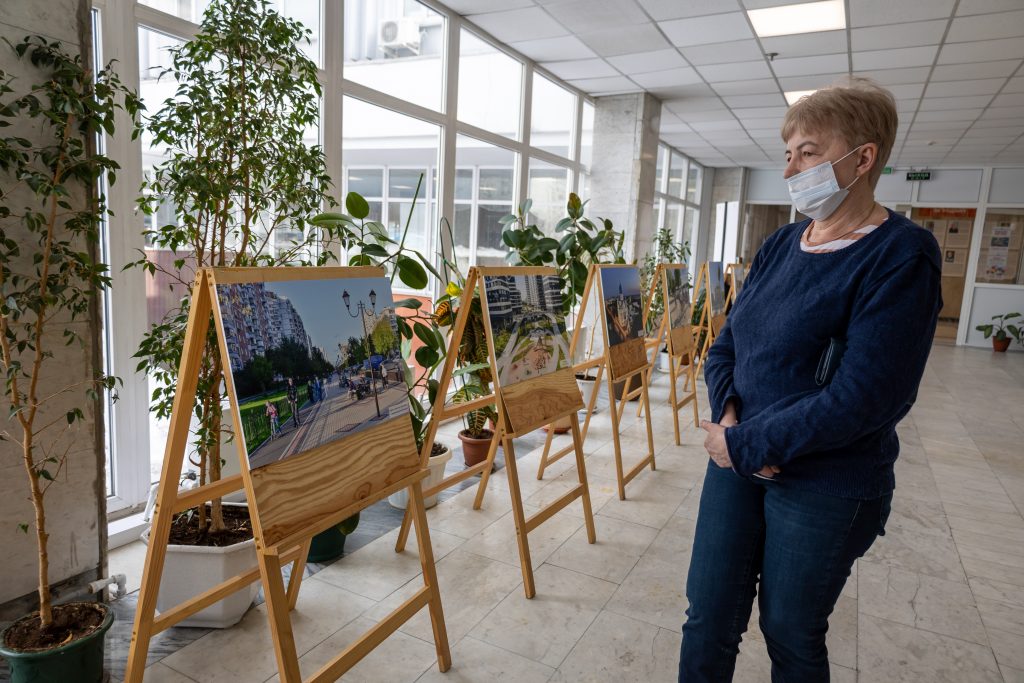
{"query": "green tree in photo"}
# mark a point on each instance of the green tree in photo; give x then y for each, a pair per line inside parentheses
(383, 336)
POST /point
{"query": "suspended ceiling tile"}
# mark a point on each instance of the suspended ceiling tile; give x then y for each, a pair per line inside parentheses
(692, 104)
(1009, 100)
(715, 28)
(983, 86)
(660, 10)
(920, 125)
(885, 12)
(1004, 113)
(998, 123)
(768, 100)
(898, 35)
(722, 53)
(757, 86)
(981, 51)
(773, 123)
(917, 74)
(806, 44)
(738, 71)
(967, 7)
(584, 16)
(698, 116)
(623, 40)
(937, 103)
(642, 62)
(581, 68)
(949, 115)
(512, 25)
(986, 27)
(601, 86)
(718, 126)
(554, 49)
(807, 66)
(963, 72)
(668, 78)
(1014, 85)
(759, 113)
(813, 82)
(904, 57)
(480, 6)
(667, 128)
(907, 91)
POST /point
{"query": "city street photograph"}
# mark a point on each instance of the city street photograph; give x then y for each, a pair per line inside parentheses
(312, 361)
(528, 325)
(677, 297)
(623, 304)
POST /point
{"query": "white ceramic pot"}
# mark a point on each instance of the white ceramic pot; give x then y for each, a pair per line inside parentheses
(400, 499)
(663, 360)
(581, 344)
(191, 569)
(587, 388)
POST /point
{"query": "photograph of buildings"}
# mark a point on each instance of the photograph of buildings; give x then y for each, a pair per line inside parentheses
(312, 361)
(717, 294)
(623, 304)
(677, 297)
(526, 317)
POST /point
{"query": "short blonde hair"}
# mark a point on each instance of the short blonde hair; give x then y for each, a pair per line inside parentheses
(857, 109)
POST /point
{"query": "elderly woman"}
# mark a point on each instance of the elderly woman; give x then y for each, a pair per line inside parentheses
(821, 358)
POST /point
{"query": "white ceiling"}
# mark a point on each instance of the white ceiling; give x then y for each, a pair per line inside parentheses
(954, 67)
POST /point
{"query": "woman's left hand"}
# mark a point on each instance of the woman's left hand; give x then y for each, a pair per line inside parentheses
(715, 443)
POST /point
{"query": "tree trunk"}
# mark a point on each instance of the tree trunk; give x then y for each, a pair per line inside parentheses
(45, 608)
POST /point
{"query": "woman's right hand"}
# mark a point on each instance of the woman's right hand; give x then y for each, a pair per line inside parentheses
(729, 419)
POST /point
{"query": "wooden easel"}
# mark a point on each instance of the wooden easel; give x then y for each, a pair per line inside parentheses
(522, 408)
(680, 343)
(622, 362)
(289, 500)
(710, 322)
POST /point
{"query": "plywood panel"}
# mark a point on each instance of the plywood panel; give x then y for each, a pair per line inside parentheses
(680, 340)
(536, 402)
(296, 493)
(626, 357)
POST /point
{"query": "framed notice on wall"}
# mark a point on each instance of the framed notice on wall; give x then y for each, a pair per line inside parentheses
(958, 235)
(937, 228)
(954, 262)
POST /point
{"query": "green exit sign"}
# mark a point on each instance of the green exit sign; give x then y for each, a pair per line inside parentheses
(887, 170)
(919, 175)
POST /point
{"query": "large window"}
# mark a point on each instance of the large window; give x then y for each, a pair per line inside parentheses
(549, 190)
(396, 47)
(486, 194)
(677, 182)
(490, 87)
(552, 116)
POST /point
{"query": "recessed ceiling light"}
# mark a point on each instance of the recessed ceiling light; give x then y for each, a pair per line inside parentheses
(793, 95)
(807, 17)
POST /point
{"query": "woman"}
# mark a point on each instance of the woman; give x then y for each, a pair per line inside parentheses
(801, 471)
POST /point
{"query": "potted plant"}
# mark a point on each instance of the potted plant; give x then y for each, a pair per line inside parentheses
(664, 250)
(50, 218)
(330, 544)
(241, 180)
(1001, 331)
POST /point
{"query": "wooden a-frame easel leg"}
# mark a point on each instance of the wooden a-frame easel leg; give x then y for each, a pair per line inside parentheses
(581, 473)
(617, 445)
(519, 516)
(485, 476)
(419, 517)
(646, 400)
(547, 459)
(298, 569)
(672, 379)
(277, 615)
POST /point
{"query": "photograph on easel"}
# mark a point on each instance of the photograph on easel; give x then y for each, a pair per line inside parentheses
(677, 294)
(717, 294)
(528, 324)
(312, 361)
(739, 276)
(623, 304)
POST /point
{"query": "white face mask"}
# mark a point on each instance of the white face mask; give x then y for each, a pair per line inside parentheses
(816, 192)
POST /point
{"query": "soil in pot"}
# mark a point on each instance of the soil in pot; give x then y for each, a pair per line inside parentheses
(474, 449)
(72, 648)
(185, 528)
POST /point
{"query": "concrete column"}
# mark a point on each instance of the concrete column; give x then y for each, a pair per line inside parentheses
(626, 129)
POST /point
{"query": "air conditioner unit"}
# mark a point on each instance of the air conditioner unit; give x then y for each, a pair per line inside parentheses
(400, 33)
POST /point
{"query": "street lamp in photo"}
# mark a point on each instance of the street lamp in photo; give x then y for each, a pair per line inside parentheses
(360, 313)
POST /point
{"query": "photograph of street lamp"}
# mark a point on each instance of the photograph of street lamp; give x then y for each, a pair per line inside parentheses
(623, 305)
(528, 325)
(312, 361)
(677, 296)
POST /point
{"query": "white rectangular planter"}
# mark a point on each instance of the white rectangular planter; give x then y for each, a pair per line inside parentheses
(190, 570)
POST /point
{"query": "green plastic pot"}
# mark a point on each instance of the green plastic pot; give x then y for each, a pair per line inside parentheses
(80, 661)
(326, 546)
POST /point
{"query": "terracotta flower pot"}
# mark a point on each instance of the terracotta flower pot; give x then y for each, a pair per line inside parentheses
(474, 450)
(560, 426)
(1000, 345)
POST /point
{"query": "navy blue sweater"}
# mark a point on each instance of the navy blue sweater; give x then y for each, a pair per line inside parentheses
(882, 295)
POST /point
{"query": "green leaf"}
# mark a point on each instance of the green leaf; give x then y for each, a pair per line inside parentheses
(424, 333)
(23, 528)
(408, 303)
(426, 356)
(356, 205)
(45, 474)
(412, 273)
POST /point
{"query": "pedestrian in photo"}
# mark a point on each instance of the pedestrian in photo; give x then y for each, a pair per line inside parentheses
(293, 401)
(271, 411)
(819, 360)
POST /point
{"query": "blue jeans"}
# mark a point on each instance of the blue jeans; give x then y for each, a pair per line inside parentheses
(797, 545)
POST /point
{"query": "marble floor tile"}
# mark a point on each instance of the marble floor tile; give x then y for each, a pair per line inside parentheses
(161, 673)
(457, 516)
(376, 570)
(927, 554)
(997, 590)
(1011, 675)
(499, 542)
(474, 661)
(618, 548)
(1001, 616)
(998, 571)
(617, 648)
(1008, 647)
(841, 639)
(674, 542)
(601, 490)
(918, 516)
(920, 601)
(245, 652)
(471, 585)
(646, 503)
(654, 592)
(547, 627)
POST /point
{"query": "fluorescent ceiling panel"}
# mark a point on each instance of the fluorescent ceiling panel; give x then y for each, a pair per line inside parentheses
(793, 95)
(808, 17)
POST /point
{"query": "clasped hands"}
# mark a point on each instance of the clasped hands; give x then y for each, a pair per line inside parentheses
(717, 447)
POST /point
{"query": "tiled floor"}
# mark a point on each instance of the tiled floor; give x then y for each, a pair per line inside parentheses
(939, 598)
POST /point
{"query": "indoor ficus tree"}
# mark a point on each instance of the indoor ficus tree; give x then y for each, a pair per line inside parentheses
(242, 180)
(50, 218)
